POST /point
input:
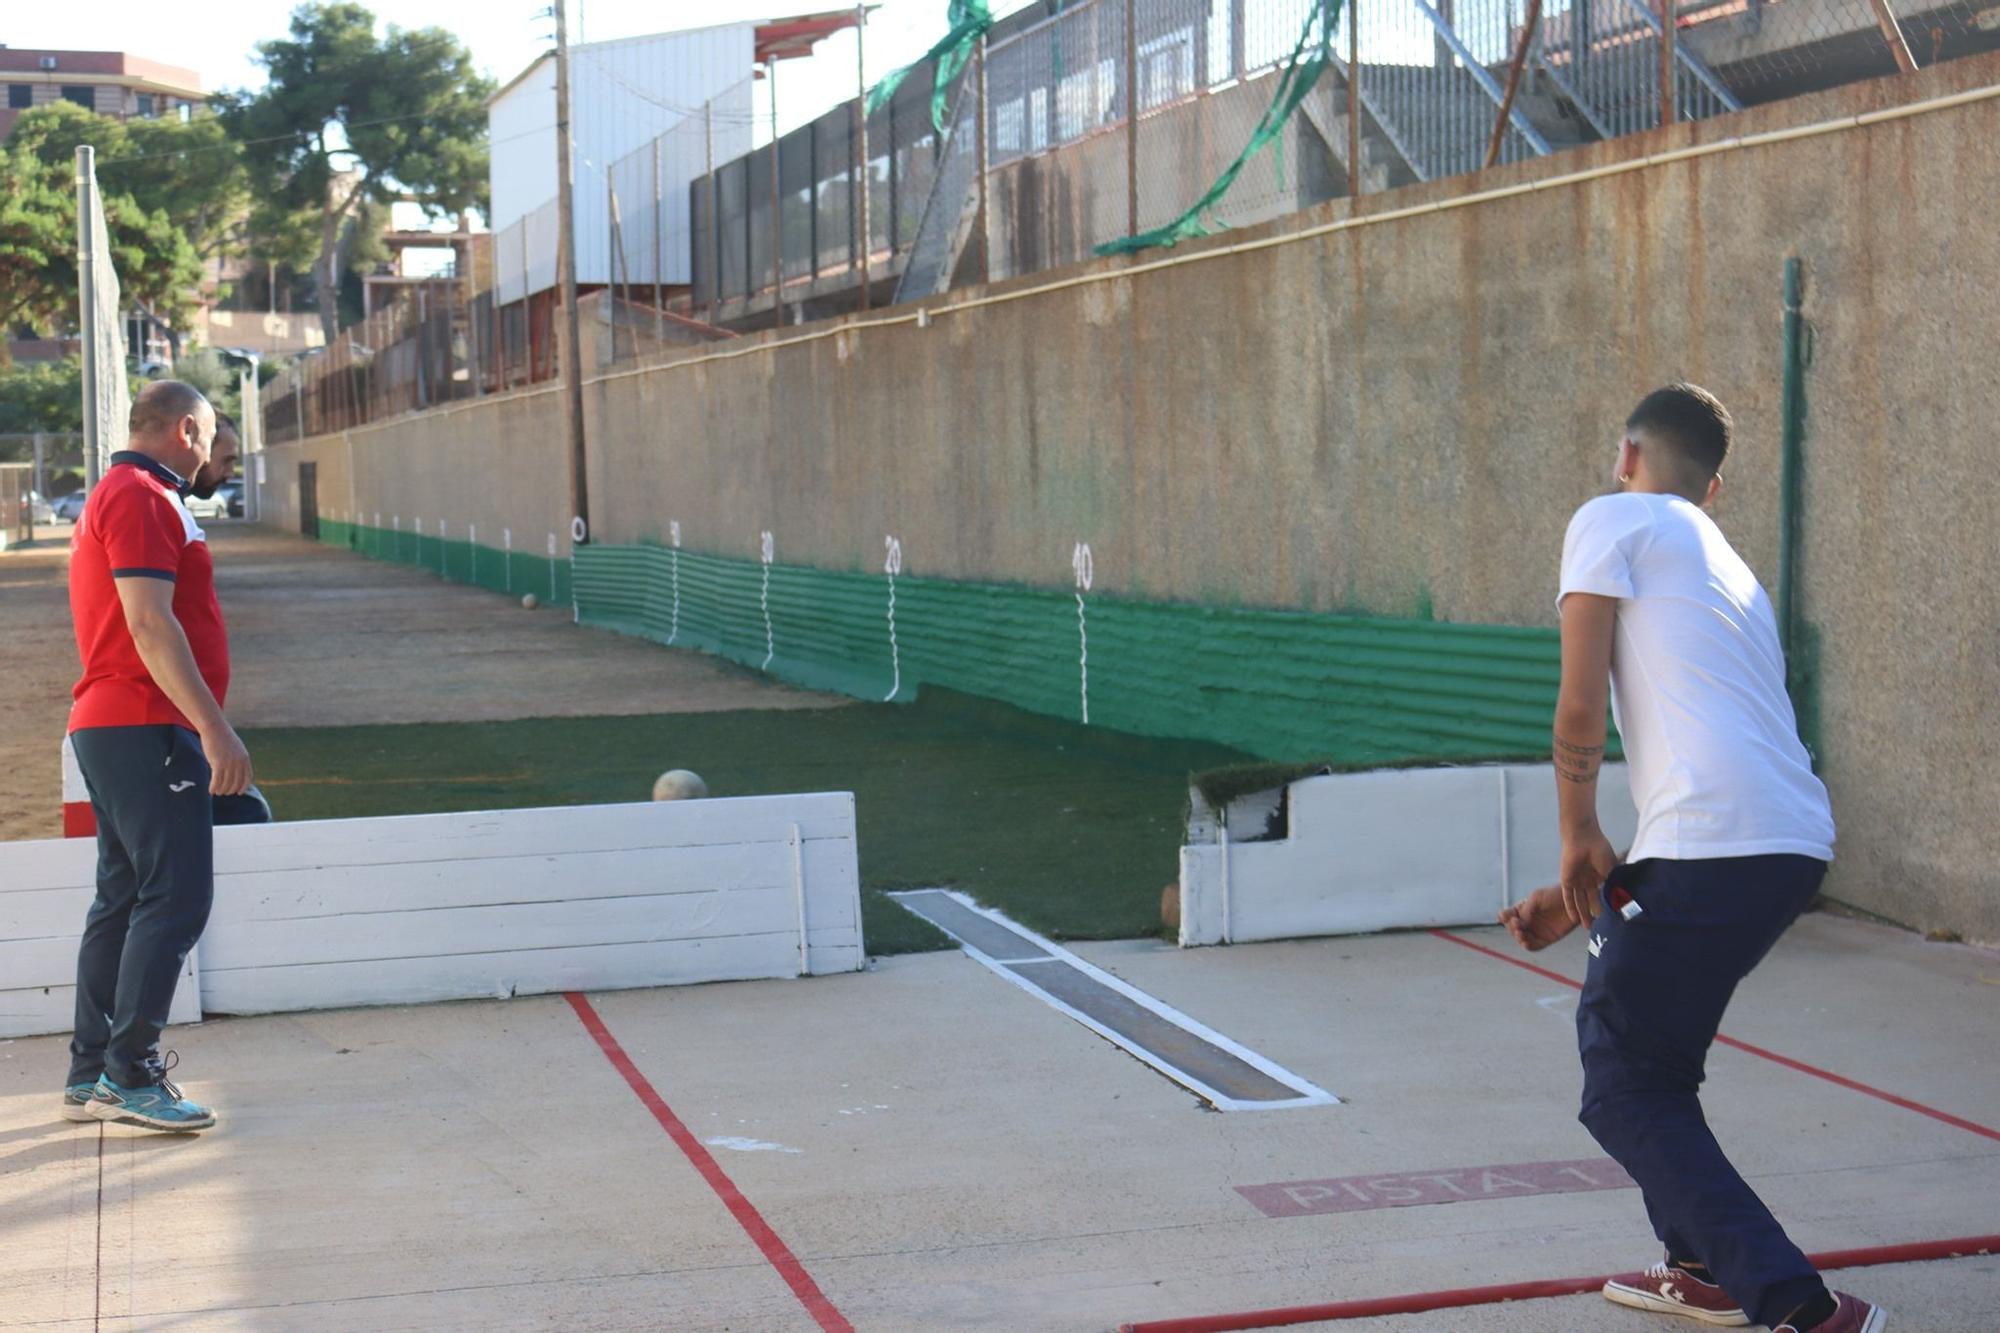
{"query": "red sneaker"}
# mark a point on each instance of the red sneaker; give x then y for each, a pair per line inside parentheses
(1670, 1290)
(1850, 1314)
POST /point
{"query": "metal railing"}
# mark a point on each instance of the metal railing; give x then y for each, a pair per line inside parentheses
(433, 347)
(952, 208)
(652, 234)
(1426, 81)
(1604, 57)
(816, 236)
(1065, 167)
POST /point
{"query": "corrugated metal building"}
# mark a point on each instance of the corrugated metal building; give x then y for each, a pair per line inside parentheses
(624, 95)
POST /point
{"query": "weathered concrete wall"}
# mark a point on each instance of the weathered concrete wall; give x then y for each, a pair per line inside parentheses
(1399, 418)
(493, 465)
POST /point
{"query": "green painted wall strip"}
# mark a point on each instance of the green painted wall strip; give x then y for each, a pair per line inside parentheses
(488, 567)
(1287, 685)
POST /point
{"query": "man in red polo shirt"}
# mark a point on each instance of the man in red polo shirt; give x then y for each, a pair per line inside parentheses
(155, 749)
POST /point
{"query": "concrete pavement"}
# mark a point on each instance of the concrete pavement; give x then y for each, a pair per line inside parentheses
(940, 1150)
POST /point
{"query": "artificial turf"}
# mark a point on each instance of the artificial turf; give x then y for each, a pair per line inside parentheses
(1072, 830)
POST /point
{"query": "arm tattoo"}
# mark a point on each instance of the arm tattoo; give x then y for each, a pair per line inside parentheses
(1577, 763)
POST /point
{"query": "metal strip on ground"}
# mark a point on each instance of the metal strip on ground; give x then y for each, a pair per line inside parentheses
(1222, 1072)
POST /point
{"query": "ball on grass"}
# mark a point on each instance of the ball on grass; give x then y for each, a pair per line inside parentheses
(529, 601)
(1170, 907)
(678, 784)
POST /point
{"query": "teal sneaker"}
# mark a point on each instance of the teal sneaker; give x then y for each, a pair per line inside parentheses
(76, 1101)
(157, 1104)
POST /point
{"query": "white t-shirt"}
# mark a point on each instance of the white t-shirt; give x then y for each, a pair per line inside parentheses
(1697, 685)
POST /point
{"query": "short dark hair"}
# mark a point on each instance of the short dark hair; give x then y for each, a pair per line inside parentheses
(160, 406)
(1693, 425)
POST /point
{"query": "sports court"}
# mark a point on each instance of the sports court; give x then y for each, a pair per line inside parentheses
(924, 721)
(921, 1145)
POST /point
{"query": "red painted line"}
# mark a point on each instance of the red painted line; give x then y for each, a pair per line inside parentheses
(1506, 958)
(774, 1250)
(1838, 1080)
(97, 1265)
(1422, 1302)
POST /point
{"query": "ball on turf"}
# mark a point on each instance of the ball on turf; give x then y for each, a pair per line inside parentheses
(529, 601)
(678, 784)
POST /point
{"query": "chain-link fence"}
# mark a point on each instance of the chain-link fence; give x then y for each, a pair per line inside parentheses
(1335, 96)
(802, 203)
(54, 460)
(652, 226)
(17, 517)
(434, 346)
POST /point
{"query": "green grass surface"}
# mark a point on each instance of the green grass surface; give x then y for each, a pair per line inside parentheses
(1069, 829)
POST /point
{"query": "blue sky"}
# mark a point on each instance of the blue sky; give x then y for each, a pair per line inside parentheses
(217, 38)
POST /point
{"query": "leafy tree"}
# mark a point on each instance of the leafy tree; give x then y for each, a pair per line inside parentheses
(157, 265)
(193, 171)
(348, 117)
(47, 396)
(37, 246)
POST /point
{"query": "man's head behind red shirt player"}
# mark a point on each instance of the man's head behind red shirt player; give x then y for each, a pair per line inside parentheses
(173, 425)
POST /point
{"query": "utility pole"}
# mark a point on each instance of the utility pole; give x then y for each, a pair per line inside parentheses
(579, 483)
(777, 221)
(1131, 82)
(714, 218)
(1669, 110)
(863, 238)
(90, 265)
(985, 229)
(1354, 102)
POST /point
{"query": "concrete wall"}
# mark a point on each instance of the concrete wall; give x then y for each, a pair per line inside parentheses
(493, 464)
(1399, 418)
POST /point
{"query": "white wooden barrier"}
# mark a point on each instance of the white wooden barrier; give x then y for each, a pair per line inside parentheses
(330, 913)
(1382, 850)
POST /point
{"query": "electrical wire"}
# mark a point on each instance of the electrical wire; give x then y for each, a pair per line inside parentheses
(280, 138)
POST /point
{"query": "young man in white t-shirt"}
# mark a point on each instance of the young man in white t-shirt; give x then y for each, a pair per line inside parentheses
(1735, 833)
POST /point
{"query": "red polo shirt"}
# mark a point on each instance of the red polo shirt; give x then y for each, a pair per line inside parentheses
(135, 526)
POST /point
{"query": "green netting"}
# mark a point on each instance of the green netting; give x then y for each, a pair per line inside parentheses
(1344, 690)
(1287, 685)
(1301, 72)
(967, 21)
(497, 570)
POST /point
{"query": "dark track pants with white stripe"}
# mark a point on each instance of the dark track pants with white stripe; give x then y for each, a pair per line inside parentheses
(1651, 1005)
(155, 881)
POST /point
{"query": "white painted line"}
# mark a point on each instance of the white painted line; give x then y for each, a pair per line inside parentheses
(1309, 1094)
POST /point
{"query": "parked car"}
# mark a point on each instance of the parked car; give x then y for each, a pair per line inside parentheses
(38, 508)
(68, 508)
(215, 506)
(232, 492)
